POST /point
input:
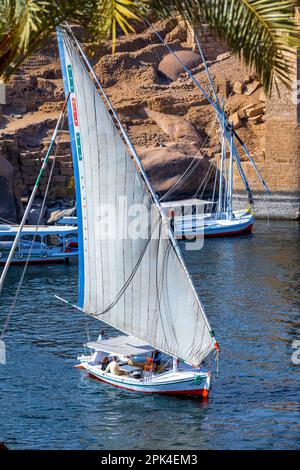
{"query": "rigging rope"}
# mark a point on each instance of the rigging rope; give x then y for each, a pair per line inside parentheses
(182, 178)
(188, 172)
(12, 307)
(131, 276)
(215, 184)
(190, 169)
(205, 181)
(7, 221)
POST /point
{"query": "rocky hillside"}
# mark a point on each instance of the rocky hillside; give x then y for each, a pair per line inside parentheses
(169, 121)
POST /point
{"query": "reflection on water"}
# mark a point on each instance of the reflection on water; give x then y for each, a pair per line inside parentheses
(250, 287)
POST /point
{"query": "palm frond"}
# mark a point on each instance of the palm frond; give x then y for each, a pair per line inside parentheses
(23, 26)
(263, 32)
(110, 14)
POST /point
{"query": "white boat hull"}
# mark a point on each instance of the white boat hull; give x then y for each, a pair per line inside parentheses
(209, 226)
(181, 382)
(39, 259)
(45, 244)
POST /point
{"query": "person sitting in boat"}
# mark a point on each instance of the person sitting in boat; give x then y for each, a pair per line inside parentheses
(129, 360)
(101, 335)
(114, 368)
(156, 356)
(105, 362)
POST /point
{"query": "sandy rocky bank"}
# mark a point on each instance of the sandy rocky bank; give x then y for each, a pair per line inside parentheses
(167, 118)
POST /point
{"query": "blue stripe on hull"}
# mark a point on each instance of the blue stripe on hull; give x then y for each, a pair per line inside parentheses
(207, 231)
(235, 228)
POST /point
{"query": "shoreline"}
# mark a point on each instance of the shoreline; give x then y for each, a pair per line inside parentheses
(277, 206)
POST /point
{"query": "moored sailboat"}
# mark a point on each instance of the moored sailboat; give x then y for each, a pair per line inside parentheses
(190, 223)
(134, 280)
(221, 220)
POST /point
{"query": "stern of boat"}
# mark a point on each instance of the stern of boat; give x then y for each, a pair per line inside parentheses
(83, 362)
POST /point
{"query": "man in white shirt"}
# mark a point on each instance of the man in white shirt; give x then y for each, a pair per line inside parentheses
(113, 367)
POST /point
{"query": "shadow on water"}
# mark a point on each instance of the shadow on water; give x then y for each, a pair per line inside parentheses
(250, 288)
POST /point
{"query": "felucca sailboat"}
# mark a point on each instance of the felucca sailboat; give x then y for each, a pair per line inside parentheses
(138, 284)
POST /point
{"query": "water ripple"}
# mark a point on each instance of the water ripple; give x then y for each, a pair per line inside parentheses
(250, 287)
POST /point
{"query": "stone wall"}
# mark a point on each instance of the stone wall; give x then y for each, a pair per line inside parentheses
(27, 164)
(278, 133)
(35, 83)
(279, 162)
(34, 97)
(211, 45)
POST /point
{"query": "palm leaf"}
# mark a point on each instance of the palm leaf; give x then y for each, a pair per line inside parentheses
(263, 32)
(110, 14)
(24, 24)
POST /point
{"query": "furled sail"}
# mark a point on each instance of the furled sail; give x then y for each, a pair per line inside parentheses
(137, 284)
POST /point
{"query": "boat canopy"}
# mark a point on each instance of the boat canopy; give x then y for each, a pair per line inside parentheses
(121, 345)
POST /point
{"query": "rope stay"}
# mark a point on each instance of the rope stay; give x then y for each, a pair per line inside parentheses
(221, 115)
(59, 126)
(33, 194)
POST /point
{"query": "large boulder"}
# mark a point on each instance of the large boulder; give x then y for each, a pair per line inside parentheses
(166, 167)
(176, 127)
(9, 205)
(171, 68)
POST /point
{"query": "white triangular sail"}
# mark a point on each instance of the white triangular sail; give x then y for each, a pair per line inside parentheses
(138, 285)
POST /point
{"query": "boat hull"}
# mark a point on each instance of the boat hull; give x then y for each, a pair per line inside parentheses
(229, 231)
(44, 244)
(210, 227)
(170, 383)
(62, 258)
(37, 261)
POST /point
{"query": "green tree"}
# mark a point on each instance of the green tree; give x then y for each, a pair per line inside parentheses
(264, 32)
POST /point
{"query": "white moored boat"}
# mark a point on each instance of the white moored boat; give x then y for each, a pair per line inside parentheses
(43, 244)
(241, 222)
(223, 221)
(190, 223)
(131, 272)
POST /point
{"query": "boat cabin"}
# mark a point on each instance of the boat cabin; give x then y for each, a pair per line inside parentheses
(135, 358)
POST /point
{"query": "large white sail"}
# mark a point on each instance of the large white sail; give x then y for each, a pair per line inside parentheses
(138, 285)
